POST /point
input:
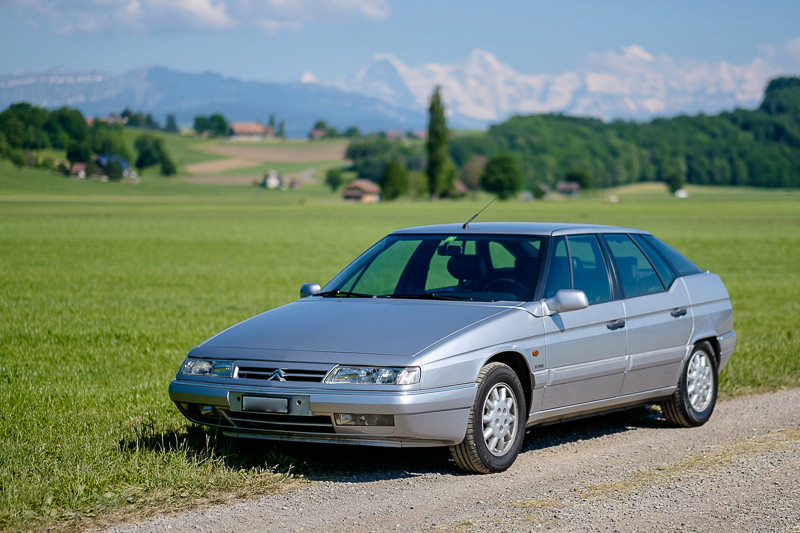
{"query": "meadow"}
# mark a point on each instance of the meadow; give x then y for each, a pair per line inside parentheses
(105, 287)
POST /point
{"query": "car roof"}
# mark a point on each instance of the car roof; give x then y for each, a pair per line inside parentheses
(517, 228)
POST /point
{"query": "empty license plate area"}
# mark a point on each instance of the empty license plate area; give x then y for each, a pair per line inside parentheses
(258, 404)
(293, 405)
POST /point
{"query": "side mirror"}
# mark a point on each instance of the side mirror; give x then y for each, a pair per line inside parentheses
(309, 289)
(566, 300)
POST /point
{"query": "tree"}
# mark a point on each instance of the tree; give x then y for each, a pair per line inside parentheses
(114, 169)
(502, 176)
(214, 126)
(150, 151)
(436, 147)
(281, 133)
(581, 177)
(394, 182)
(200, 124)
(78, 152)
(172, 124)
(674, 182)
(167, 166)
(219, 126)
(334, 178)
(109, 139)
(352, 132)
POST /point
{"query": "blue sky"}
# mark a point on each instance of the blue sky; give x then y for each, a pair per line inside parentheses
(280, 40)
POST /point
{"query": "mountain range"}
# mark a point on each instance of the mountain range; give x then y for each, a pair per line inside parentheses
(387, 94)
(627, 84)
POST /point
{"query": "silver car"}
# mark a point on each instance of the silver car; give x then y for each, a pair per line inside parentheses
(464, 336)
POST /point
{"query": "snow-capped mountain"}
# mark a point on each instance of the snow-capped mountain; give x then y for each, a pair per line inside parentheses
(630, 83)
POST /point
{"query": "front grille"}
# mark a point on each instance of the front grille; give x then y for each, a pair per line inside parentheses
(282, 423)
(288, 374)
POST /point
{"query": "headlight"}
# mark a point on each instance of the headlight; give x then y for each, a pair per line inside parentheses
(207, 367)
(374, 375)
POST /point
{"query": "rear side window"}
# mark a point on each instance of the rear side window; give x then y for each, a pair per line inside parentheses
(680, 264)
(663, 268)
(637, 275)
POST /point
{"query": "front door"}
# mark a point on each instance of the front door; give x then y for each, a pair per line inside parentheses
(586, 348)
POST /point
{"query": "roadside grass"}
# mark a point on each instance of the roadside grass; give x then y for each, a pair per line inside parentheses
(105, 287)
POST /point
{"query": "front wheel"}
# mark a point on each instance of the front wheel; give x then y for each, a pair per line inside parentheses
(693, 401)
(496, 426)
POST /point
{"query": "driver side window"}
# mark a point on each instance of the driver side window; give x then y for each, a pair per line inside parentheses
(578, 263)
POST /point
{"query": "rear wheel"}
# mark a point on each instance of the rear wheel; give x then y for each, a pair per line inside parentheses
(693, 401)
(496, 426)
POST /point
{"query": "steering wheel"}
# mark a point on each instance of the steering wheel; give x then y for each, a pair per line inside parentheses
(517, 288)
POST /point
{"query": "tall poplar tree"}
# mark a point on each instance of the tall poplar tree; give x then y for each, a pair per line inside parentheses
(439, 181)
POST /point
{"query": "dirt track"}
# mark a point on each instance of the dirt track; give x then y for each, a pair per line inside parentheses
(248, 155)
(624, 472)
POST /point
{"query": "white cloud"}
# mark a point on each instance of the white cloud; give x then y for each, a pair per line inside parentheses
(150, 16)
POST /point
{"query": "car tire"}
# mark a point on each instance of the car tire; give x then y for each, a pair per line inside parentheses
(496, 426)
(696, 395)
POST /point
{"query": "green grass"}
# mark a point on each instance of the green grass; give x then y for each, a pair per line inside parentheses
(105, 287)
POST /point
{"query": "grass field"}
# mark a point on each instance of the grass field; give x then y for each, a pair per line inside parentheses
(105, 287)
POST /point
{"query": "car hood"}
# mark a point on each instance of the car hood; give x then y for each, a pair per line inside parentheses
(349, 325)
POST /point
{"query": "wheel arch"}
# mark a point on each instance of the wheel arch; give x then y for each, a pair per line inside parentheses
(714, 343)
(516, 361)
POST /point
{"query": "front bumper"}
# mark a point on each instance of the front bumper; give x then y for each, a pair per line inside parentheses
(421, 418)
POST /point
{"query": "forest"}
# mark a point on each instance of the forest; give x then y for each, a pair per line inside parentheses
(758, 147)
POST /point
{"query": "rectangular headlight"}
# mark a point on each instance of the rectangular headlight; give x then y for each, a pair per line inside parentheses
(217, 368)
(374, 375)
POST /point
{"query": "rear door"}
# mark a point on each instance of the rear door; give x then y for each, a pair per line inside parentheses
(658, 314)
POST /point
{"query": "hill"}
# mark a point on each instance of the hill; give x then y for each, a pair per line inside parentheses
(744, 147)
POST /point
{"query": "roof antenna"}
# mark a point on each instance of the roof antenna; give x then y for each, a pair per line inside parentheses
(466, 224)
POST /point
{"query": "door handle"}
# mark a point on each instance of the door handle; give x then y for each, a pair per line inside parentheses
(679, 312)
(617, 324)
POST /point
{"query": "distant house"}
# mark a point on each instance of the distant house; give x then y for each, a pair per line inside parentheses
(394, 134)
(78, 170)
(568, 188)
(418, 134)
(318, 133)
(251, 131)
(364, 191)
(110, 119)
(102, 161)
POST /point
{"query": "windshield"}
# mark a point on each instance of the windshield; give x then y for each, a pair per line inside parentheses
(446, 267)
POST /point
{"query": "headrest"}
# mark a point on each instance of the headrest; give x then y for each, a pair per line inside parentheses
(466, 267)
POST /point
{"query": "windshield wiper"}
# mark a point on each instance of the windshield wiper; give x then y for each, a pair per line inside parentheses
(337, 292)
(431, 296)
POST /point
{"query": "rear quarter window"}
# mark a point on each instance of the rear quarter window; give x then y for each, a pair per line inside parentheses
(679, 263)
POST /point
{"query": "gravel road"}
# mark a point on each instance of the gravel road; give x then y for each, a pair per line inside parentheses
(624, 472)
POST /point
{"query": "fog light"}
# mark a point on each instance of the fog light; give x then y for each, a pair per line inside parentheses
(207, 410)
(352, 419)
